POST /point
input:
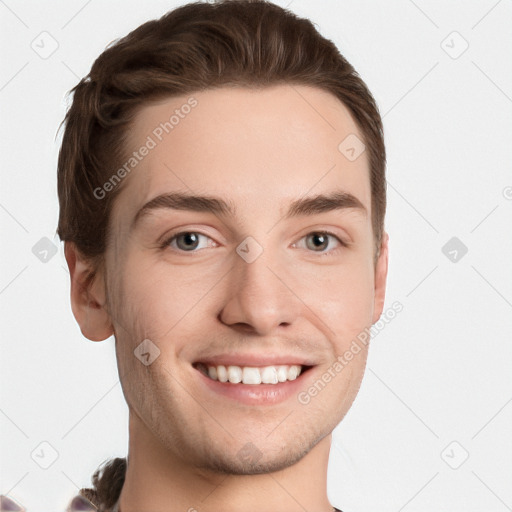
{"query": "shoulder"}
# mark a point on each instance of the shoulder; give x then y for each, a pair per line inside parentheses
(85, 502)
(82, 502)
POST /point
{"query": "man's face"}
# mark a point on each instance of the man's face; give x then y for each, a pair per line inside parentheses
(288, 295)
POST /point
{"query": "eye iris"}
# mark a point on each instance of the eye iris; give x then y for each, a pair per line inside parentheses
(323, 242)
(188, 237)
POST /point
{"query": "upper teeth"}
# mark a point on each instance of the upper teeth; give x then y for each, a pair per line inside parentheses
(254, 375)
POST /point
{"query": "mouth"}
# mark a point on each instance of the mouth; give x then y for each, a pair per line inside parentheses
(252, 375)
(253, 385)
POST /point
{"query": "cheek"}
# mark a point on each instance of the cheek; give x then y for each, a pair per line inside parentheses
(160, 296)
(342, 296)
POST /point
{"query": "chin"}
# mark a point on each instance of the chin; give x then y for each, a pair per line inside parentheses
(255, 458)
(236, 465)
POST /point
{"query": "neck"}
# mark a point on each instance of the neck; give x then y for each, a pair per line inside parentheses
(160, 481)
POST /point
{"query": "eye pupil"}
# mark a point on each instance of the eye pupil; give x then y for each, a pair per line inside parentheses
(322, 237)
(190, 238)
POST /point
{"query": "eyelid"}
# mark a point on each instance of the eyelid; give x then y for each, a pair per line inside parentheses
(183, 229)
(167, 239)
(343, 243)
(335, 231)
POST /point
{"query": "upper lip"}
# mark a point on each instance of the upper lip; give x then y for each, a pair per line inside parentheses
(234, 359)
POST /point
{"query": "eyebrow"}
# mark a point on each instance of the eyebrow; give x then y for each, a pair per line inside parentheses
(321, 203)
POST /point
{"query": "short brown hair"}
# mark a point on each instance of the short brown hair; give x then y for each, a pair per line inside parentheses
(199, 46)
(195, 47)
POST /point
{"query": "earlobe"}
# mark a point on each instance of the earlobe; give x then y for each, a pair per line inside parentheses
(87, 296)
(381, 272)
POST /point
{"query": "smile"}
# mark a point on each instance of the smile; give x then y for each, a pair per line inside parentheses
(253, 385)
(251, 374)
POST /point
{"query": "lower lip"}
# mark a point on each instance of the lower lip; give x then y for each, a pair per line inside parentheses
(257, 394)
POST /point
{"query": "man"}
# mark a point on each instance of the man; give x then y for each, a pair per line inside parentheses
(222, 192)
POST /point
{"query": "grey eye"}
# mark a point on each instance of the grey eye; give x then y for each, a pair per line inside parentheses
(190, 241)
(320, 240)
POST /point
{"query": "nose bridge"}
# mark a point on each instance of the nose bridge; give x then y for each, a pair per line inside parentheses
(259, 295)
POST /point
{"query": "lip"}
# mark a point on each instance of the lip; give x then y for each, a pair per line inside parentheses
(256, 394)
(257, 360)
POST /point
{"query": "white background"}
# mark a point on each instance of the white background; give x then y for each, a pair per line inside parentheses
(439, 372)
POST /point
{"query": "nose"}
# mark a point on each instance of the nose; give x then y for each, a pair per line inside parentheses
(260, 297)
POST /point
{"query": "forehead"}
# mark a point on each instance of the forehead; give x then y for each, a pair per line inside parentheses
(260, 148)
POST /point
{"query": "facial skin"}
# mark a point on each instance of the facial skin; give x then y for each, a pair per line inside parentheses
(259, 150)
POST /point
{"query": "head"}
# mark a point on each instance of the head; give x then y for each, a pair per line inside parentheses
(249, 108)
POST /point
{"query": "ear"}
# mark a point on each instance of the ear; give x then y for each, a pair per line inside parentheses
(381, 273)
(87, 296)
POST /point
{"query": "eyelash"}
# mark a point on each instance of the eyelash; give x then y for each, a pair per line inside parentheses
(166, 243)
